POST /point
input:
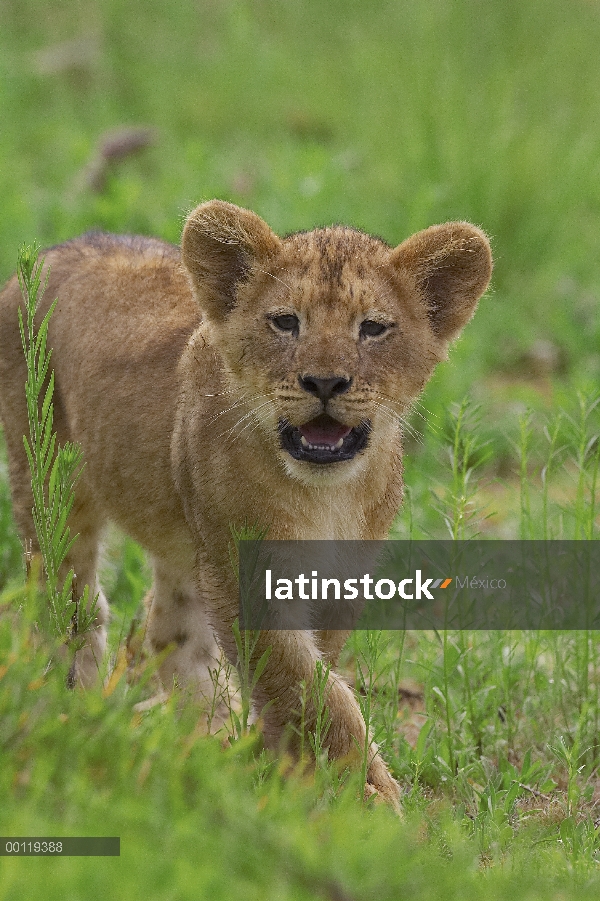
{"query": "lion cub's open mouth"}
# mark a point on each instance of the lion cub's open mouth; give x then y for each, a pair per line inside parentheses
(323, 439)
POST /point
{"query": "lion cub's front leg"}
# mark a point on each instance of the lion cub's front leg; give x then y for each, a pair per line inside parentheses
(292, 661)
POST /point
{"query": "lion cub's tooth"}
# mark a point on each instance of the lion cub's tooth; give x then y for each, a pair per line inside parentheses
(303, 441)
(338, 444)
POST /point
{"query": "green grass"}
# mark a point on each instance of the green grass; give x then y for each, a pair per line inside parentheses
(388, 116)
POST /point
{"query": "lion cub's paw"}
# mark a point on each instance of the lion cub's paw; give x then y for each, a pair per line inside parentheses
(382, 784)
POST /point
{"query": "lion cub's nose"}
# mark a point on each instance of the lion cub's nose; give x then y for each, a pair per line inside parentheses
(324, 389)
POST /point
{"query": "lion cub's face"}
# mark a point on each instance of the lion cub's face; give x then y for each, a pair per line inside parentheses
(326, 341)
(330, 335)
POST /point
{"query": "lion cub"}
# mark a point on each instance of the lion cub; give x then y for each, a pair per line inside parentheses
(245, 378)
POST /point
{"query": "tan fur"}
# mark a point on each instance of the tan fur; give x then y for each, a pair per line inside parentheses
(175, 381)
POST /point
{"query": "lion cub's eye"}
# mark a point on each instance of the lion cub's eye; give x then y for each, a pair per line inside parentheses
(286, 322)
(372, 329)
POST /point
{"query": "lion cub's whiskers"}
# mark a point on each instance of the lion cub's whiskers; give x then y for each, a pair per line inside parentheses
(397, 417)
(255, 423)
(247, 416)
(243, 399)
(403, 416)
(417, 403)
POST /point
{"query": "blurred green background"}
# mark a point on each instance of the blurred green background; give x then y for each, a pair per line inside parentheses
(388, 116)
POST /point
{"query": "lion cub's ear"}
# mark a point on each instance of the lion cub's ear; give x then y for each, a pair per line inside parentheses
(452, 267)
(220, 244)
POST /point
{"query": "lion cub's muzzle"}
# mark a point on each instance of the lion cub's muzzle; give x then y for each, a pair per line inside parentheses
(323, 439)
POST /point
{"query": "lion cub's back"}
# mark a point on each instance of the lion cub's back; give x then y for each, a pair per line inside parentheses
(124, 314)
(131, 289)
